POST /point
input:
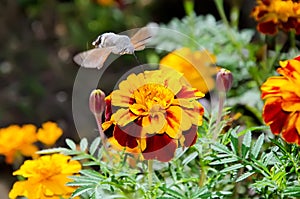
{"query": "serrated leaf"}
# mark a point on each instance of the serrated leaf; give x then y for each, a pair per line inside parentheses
(83, 144)
(224, 161)
(254, 128)
(81, 157)
(220, 148)
(90, 163)
(91, 173)
(81, 190)
(232, 168)
(234, 144)
(171, 192)
(223, 155)
(292, 191)
(189, 158)
(53, 150)
(87, 179)
(257, 146)
(95, 145)
(80, 184)
(246, 144)
(100, 153)
(244, 176)
(71, 152)
(71, 144)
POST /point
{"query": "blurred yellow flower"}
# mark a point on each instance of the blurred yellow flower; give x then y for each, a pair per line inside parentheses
(196, 67)
(154, 113)
(16, 140)
(46, 177)
(49, 133)
(272, 15)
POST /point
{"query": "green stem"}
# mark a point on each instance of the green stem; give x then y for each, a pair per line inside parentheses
(188, 7)
(222, 96)
(234, 16)
(150, 173)
(98, 118)
(220, 8)
(202, 178)
(293, 39)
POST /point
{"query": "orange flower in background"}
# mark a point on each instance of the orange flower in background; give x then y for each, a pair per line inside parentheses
(153, 113)
(282, 106)
(272, 15)
(46, 177)
(16, 141)
(106, 2)
(196, 67)
(49, 133)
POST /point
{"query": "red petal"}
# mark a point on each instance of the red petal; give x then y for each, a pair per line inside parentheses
(160, 147)
(268, 27)
(108, 111)
(190, 136)
(128, 135)
(274, 115)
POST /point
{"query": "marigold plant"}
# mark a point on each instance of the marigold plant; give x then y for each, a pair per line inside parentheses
(272, 15)
(153, 113)
(196, 67)
(282, 106)
(46, 177)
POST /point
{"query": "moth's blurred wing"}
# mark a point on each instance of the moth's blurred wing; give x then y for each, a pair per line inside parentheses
(143, 36)
(93, 58)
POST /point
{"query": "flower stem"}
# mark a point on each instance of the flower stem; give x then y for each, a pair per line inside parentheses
(292, 39)
(150, 172)
(188, 7)
(219, 5)
(98, 118)
(217, 128)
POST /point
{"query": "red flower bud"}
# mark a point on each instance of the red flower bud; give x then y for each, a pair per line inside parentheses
(224, 80)
(97, 102)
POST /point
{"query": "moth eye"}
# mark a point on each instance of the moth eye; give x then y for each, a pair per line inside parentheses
(97, 42)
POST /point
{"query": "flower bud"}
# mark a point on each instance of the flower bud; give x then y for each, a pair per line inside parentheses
(224, 80)
(97, 102)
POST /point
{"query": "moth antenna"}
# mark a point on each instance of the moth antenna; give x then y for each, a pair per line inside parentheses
(138, 62)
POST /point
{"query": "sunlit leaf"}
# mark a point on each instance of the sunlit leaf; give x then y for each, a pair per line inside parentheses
(83, 144)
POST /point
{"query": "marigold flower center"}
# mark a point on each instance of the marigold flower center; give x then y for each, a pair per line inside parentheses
(48, 171)
(153, 97)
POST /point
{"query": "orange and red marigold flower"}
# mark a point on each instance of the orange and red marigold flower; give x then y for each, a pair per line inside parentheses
(272, 15)
(282, 106)
(153, 113)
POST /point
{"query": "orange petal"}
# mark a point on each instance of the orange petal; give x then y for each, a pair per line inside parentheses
(124, 116)
(291, 102)
(272, 87)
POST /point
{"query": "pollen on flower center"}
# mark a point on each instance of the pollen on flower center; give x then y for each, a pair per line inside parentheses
(151, 95)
